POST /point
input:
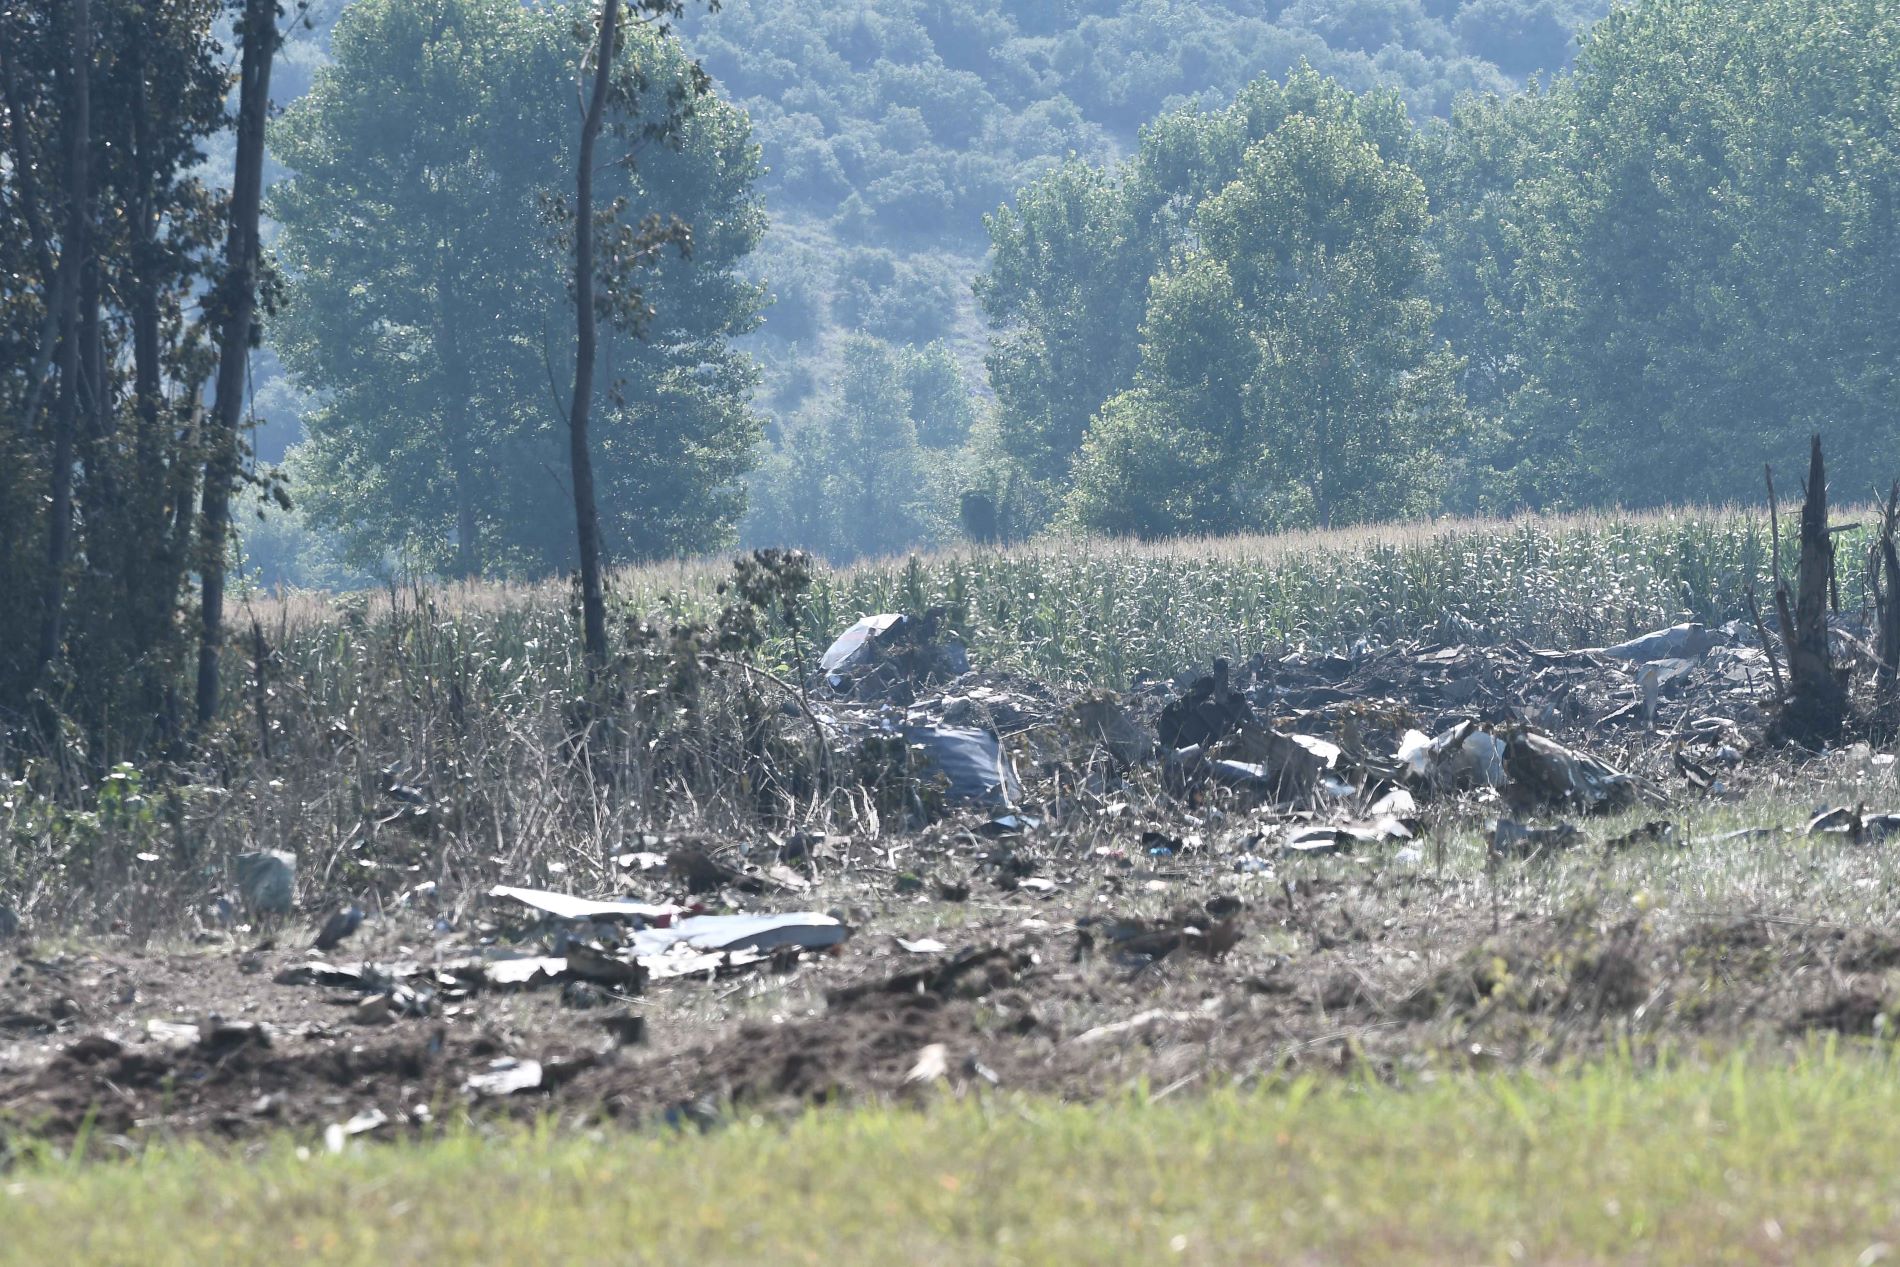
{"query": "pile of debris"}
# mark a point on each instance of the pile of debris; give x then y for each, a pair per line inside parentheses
(1345, 747)
(595, 951)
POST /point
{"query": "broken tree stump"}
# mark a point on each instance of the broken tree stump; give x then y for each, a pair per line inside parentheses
(1816, 707)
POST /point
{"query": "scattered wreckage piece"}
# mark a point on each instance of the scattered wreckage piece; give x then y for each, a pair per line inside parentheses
(1546, 774)
(505, 1076)
(1530, 769)
(969, 974)
(699, 945)
(267, 881)
(1264, 765)
(1678, 642)
(1210, 711)
(1141, 942)
(1855, 823)
(892, 649)
(1345, 837)
(603, 953)
(562, 906)
(1460, 759)
(972, 763)
(369, 978)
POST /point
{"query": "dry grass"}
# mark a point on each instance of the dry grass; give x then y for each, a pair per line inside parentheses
(297, 609)
(473, 693)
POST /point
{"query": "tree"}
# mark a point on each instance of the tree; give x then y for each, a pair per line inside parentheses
(872, 467)
(236, 306)
(1289, 375)
(428, 301)
(106, 245)
(1066, 292)
(1701, 271)
(587, 342)
(77, 276)
(1521, 36)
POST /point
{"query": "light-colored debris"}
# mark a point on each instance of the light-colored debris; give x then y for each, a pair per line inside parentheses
(1678, 642)
(337, 1135)
(933, 1063)
(172, 1035)
(563, 906)
(506, 1076)
(1137, 1022)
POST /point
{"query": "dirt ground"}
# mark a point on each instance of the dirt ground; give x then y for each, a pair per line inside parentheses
(1117, 974)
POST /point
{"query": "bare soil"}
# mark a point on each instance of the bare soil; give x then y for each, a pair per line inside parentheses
(1188, 977)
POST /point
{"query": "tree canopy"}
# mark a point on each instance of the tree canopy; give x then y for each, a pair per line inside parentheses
(1635, 286)
(427, 292)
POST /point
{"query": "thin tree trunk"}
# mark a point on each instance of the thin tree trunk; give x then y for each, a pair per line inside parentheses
(258, 36)
(145, 349)
(73, 252)
(586, 516)
(52, 271)
(22, 176)
(150, 579)
(1886, 576)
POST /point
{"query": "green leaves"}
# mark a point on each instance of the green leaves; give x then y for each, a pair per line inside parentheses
(428, 280)
(1289, 374)
(1695, 272)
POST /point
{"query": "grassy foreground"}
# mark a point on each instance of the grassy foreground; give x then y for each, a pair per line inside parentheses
(1735, 1162)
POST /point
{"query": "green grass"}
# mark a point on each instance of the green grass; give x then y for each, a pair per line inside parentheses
(1740, 1161)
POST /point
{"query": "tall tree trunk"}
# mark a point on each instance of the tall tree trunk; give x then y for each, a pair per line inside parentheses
(144, 300)
(149, 577)
(586, 516)
(258, 37)
(73, 262)
(52, 271)
(22, 177)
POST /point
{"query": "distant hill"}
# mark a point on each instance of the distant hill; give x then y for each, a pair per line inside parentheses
(890, 128)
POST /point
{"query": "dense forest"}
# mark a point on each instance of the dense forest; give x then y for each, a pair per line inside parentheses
(887, 134)
(881, 276)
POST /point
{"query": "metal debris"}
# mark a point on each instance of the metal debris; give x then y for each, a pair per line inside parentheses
(267, 881)
(336, 929)
(506, 1076)
(562, 906)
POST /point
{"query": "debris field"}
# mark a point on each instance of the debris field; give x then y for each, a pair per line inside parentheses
(1379, 859)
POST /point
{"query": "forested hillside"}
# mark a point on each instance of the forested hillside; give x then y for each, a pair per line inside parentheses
(1023, 265)
(888, 132)
(1311, 308)
(891, 130)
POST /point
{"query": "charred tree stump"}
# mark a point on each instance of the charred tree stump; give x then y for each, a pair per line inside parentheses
(1816, 707)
